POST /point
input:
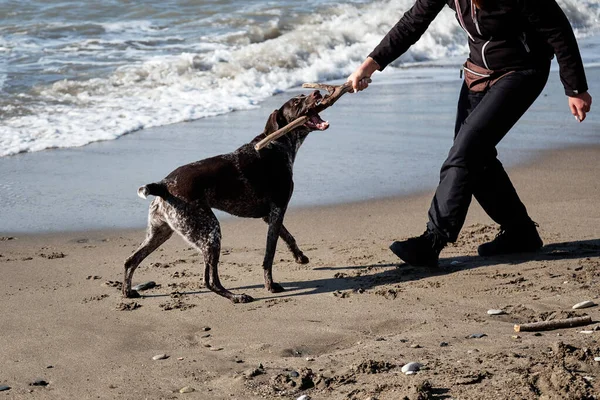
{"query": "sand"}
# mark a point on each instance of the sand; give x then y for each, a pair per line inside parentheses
(347, 322)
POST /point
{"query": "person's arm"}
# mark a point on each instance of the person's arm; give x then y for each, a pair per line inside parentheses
(551, 23)
(404, 34)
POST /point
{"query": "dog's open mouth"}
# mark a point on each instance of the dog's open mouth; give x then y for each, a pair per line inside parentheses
(315, 122)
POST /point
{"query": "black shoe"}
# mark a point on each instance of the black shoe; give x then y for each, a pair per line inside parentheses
(523, 239)
(421, 251)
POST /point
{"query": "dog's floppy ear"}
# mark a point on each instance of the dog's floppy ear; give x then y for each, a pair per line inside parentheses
(272, 125)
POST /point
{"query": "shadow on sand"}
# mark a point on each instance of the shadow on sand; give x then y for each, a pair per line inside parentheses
(394, 273)
(400, 272)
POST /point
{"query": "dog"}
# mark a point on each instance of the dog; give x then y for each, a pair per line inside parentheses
(246, 183)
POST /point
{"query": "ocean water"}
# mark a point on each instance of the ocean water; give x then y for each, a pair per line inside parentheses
(73, 72)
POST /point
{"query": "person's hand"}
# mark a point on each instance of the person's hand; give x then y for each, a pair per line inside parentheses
(580, 105)
(360, 78)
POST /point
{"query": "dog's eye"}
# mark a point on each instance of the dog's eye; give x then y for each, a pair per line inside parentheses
(297, 102)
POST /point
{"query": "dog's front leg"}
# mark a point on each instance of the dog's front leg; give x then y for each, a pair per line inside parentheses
(275, 224)
(287, 237)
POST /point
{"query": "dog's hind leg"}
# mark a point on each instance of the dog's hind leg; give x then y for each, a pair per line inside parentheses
(201, 228)
(157, 233)
(289, 240)
(275, 221)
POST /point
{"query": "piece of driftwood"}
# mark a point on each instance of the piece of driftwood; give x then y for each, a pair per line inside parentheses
(280, 132)
(335, 92)
(554, 324)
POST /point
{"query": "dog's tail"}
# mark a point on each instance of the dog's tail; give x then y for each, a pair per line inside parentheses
(154, 189)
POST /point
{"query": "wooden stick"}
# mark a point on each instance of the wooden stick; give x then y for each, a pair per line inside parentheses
(554, 324)
(280, 132)
(335, 92)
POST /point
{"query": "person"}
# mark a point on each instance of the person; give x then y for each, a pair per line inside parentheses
(511, 44)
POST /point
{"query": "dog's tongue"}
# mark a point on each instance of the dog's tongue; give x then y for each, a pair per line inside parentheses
(317, 123)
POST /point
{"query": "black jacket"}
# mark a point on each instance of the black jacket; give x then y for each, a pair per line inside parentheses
(513, 35)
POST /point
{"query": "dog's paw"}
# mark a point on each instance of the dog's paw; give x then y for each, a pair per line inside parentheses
(302, 259)
(241, 298)
(276, 288)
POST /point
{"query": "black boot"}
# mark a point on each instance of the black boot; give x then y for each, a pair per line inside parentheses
(421, 251)
(518, 239)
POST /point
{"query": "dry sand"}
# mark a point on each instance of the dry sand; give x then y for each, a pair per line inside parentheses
(347, 323)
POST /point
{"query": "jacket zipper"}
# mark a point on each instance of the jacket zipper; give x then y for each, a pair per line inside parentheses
(460, 19)
(483, 53)
(474, 17)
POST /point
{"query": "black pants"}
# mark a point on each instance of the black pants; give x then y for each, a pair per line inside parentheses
(472, 167)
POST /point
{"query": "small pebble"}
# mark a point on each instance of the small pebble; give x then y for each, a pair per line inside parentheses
(180, 358)
(39, 382)
(294, 374)
(411, 367)
(304, 397)
(586, 332)
(516, 337)
(443, 344)
(206, 328)
(496, 312)
(144, 286)
(4, 387)
(310, 359)
(187, 389)
(584, 304)
(597, 359)
(160, 357)
(415, 346)
(216, 349)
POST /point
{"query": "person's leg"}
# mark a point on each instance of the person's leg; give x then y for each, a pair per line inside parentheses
(471, 167)
(424, 250)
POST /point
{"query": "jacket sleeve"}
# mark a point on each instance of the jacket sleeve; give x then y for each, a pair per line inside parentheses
(407, 31)
(548, 19)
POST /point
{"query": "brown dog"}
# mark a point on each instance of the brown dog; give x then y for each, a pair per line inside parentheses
(245, 183)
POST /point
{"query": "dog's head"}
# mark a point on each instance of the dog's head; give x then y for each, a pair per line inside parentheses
(296, 107)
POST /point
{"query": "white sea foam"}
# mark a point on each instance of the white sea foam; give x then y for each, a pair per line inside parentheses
(226, 71)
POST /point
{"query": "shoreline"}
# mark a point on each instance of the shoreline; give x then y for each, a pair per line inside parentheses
(379, 145)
